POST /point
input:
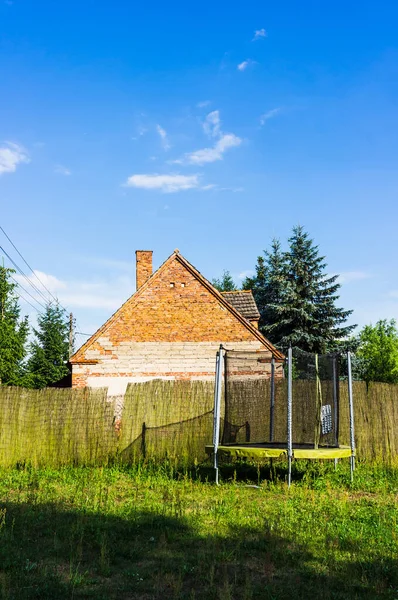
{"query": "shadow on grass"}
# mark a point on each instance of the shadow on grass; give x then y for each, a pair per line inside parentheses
(245, 471)
(49, 552)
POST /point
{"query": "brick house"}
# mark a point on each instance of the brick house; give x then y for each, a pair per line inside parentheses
(170, 328)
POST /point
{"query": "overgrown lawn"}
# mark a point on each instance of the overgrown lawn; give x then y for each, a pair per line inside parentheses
(151, 532)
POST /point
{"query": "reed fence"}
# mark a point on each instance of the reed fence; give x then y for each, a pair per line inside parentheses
(55, 427)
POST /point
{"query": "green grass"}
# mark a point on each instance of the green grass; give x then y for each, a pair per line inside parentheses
(150, 533)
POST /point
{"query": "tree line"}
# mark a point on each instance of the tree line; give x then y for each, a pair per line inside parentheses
(296, 298)
(297, 301)
(31, 358)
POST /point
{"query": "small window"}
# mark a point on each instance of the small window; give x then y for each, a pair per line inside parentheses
(172, 284)
(183, 285)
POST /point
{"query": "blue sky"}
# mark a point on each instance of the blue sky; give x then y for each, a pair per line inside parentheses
(211, 128)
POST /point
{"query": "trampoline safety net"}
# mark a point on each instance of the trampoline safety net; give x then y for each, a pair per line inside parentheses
(256, 392)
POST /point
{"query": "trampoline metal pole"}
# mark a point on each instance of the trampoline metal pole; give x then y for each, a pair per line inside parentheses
(317, 432)
(215, 435)
(351, 406)
(272, 401)
(289, 414)
(217, 409)
(336, 407)
(335, 401)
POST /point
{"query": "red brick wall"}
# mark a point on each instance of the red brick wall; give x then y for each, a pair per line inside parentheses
(171, 315)
(185, 312)
(143, 260)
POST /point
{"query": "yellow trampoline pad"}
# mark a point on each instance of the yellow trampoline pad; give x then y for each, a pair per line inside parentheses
(257, 452)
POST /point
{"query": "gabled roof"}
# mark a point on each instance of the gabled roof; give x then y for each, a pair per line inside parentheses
(244, 302)
(79, 355)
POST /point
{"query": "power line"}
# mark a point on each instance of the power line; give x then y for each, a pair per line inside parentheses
(27, 301)
(28, 265)
(24, 276)
(33, 273)
(27, 292)
(30, 281)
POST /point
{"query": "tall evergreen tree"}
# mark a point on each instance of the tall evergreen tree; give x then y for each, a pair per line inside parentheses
(269, 287)
(296, 299)
(308, 316)
(13, 331)
(49, 352)
(225, 284)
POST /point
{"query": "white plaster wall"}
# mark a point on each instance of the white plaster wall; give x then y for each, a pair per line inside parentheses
(150, 357)
(143, 361)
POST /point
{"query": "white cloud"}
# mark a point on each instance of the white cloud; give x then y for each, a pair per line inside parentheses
(50, 281)
(212, 128)
(163, 136)
(269, 115)
(209, 155)
(212, 123)
(141, 130)
(61, 170)
(246, 63)
(244, 274)
(243, 65)
(258, 34)
(100, 294)
(11, 155)
(218, 188)
(232, 189)
(103, 294)
(203, 104)
(164, 183)
(350, 276)
(85, 299)
(370, 311)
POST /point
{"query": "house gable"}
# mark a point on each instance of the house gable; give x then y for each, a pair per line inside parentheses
(176, 304)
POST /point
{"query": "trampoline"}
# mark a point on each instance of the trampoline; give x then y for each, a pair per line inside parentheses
(265, 408)
(277, 450)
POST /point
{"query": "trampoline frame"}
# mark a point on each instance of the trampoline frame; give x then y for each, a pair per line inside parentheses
(274, 449)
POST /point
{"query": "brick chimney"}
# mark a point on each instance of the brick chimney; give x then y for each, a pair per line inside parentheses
(143, 261)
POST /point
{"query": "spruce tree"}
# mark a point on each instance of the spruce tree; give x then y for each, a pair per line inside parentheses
(295, 297)
(13, 331)
(308, 317)
(269, 286)
(49, 352)
(225, 284)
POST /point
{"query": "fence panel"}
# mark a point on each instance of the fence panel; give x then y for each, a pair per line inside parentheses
(167, 418)
(173, 419)
(54, 427)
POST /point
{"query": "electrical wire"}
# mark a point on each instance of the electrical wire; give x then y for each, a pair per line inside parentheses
(33, 273)
(24, 276)
(28, 265)
(34, 286)
(27, 292)
(27, 302)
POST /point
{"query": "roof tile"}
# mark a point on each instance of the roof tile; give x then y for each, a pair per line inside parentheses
(243, 301)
